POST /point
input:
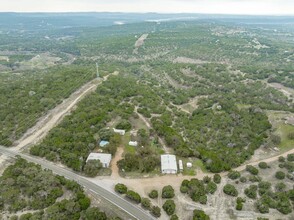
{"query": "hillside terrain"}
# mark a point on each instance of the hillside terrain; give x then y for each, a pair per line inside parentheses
(217, 92)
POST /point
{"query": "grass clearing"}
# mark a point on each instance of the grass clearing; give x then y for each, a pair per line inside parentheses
(283, 131)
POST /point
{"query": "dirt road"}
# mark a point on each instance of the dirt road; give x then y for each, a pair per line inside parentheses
(54, 116)
(161, 141)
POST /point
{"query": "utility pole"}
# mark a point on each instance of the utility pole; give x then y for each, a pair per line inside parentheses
(97, 68)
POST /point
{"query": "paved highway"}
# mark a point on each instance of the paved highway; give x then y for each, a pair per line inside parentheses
(126, 206)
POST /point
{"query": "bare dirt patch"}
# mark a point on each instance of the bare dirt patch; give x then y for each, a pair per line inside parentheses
(189, 60)
(285, 90)
(114, 167)
(140, 43)
(41, 61)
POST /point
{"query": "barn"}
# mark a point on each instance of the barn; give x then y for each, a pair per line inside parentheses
(104, 158)
(169, 164)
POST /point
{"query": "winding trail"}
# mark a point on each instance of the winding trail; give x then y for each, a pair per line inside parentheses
(161, 141)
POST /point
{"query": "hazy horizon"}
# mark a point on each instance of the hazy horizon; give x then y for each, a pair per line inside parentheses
(229, 7)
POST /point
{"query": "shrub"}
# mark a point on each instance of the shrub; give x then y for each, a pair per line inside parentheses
(217, 178)
(121, 188)
(169, 207)
(206, 179)
(234, 175)
(168, 192)
(184, 189)
(211, 188)
(280, 187)
(146, 203)
(284, 206)
(203, 199)
(261, 207)
(134, 196)
(153, 194)
(155, 210)
(230, 190)
(276, 139)
(174, 217)
(291, 136)
(264, 185)
(254, 179)
(251, 192)
(280, 175)
(290, 157)
(262, 165)
(200, 215)
(252, 169)
(239, 206)
(282, 159)
(243, 179)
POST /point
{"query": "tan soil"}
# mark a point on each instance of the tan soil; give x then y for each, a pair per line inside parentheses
(140, 43)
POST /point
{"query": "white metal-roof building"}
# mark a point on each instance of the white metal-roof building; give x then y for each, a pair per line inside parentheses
(104, 158)
(169, 164)
(119, 131)
(133, 143)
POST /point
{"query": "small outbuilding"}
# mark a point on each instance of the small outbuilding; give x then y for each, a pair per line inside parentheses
(169, 164)
(133, 143)
(189, 165)
(181, 167)
(119, 131)
(103, 143)
(104, 158)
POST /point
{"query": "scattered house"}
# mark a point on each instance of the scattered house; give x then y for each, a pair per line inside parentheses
(189, 165)
(168, 164)
(103, 143)
(181, 167)
(119, 131)
(133, 143)
(104, 158)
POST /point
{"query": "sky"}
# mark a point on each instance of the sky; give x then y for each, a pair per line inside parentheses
(249, 7)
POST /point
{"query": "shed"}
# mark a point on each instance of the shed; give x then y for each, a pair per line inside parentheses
(103, 143)
(181, 167)
(119, 131)
(169, 164)
(133, 143)
(104, 158)
(189, 165)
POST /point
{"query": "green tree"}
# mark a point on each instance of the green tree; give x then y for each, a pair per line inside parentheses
(132, 195)
(92, 167)
(121, 188)
(93, 213)
(230, 190)
(234, 175)
(280, 175)
(146, 203)
(217, 178)
(168, 192)
(169, 207)
(200, 215)
(252, 169)
(262, 165)
(153, 194)
(155, 210)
